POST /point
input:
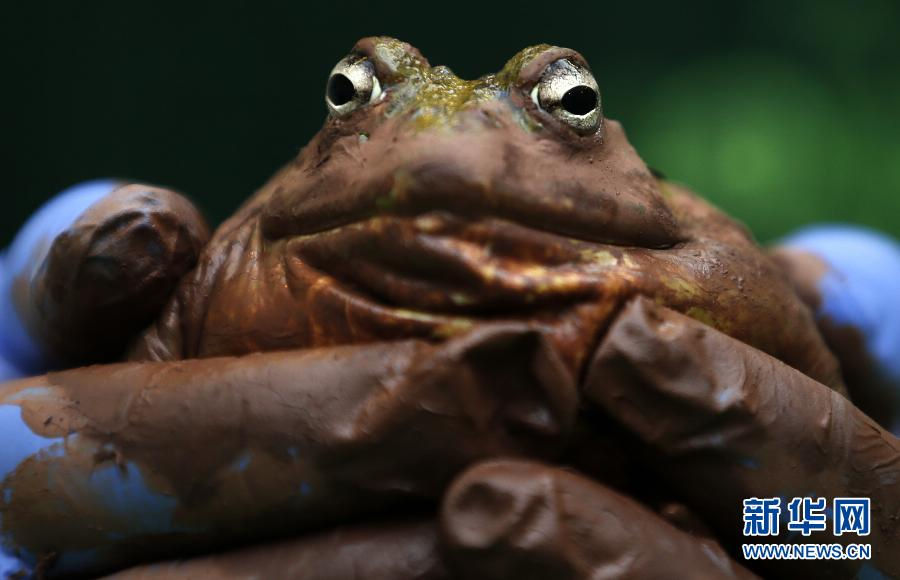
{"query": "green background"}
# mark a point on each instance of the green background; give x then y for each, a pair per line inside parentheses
(782, 113)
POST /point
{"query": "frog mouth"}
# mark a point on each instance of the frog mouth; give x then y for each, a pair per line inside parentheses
(440, 263)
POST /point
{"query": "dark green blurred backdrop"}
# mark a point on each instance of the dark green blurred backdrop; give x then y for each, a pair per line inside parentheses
(782, 113)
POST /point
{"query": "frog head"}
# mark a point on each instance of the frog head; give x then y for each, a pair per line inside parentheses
(429, 204)
(528, 145)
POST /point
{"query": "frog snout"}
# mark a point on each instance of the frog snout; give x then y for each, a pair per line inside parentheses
(486, 173)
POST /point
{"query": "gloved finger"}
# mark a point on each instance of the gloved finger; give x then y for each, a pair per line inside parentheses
(8, 370)
(514, 519)
(108, 275)
(850, 277)
(399, 552)
(26, 252)
(208, 452)
(725, 422)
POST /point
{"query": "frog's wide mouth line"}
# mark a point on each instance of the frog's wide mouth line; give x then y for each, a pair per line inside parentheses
(460, 177)
(438, 263)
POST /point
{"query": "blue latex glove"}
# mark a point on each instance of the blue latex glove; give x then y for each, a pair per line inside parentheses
(19, 355)
(7, 370)
(124, 493)
(861, 289)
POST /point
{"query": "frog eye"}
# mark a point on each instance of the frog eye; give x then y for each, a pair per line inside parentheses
(569, 92)
(351, 85)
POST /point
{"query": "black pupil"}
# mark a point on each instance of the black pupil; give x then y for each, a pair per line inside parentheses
(340, 90)
(580, 100)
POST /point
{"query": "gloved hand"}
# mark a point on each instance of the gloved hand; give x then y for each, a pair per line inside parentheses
(203, 453)
(20, 354)
(850, 277)
(88, 270)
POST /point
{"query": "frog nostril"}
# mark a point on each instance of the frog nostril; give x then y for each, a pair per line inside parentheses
(580, 100)
(340, 89)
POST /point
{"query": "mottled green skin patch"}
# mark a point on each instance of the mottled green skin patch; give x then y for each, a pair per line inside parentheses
(703, 315)
(436, 96)
(385, 202)
(682, 289)
(453, 327)
(638, 208)
(665, 189)
(602, 258)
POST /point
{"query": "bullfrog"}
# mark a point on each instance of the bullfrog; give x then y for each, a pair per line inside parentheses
(424, 286)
